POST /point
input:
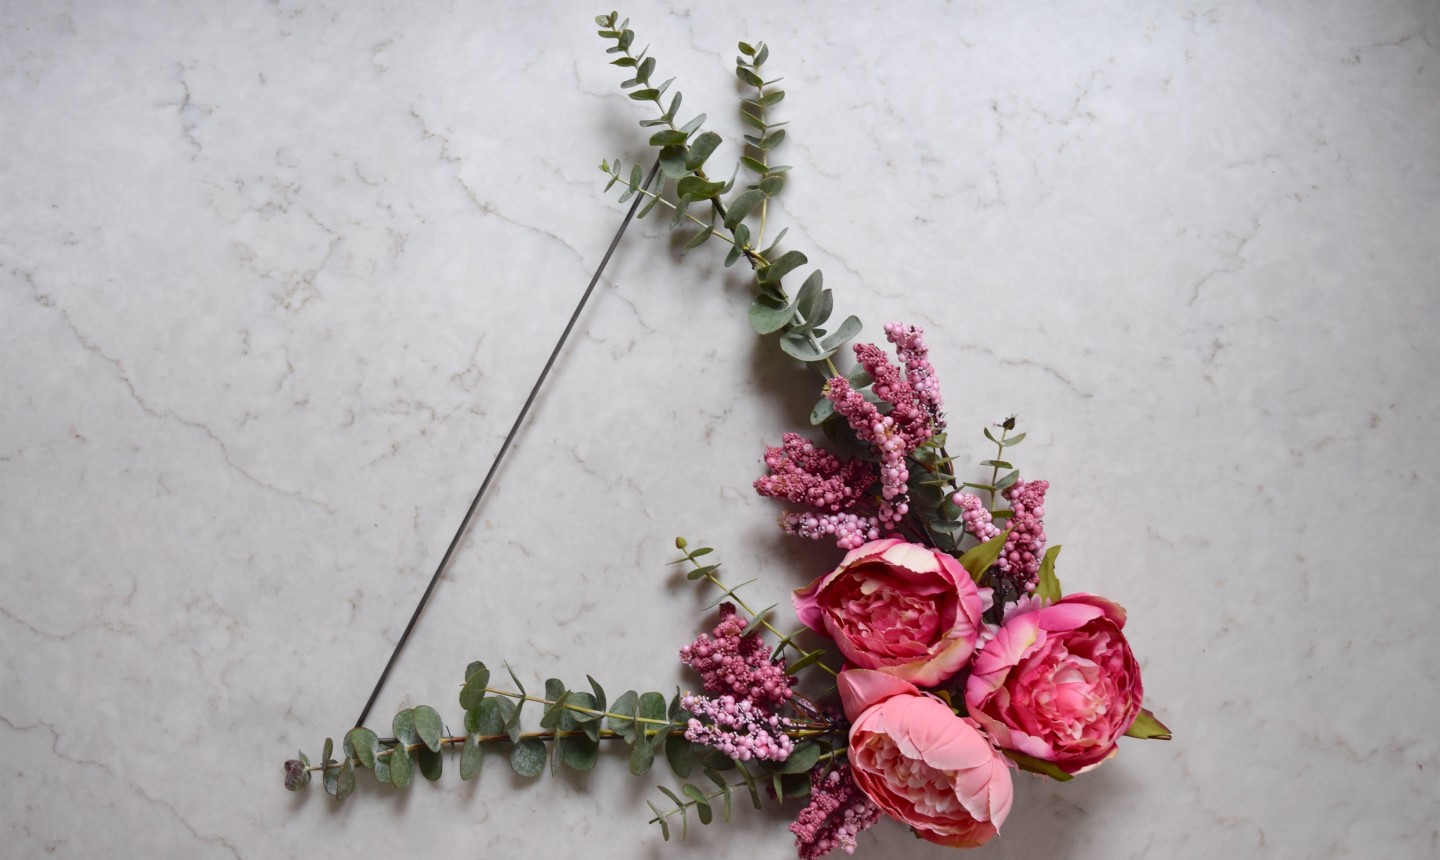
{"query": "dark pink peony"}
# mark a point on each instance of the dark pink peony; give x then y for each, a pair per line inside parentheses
(899, 608)
(1058, 683)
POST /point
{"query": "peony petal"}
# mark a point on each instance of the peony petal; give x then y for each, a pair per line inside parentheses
(943, 740)
(807, 605)
(861, 689)
(911, 557)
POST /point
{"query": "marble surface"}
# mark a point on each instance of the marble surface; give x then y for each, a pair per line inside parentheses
(275, 278)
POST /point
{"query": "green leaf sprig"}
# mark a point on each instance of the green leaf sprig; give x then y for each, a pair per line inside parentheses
(684, 151)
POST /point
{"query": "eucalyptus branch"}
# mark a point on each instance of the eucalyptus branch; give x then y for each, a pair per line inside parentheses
(683, 154)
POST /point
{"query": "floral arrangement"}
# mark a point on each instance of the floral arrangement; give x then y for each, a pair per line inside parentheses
(939, 654)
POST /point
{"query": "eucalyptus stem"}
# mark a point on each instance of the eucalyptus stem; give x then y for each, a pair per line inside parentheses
(784, 638)
(999, 455)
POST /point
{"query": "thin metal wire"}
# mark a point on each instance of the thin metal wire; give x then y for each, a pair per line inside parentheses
(504, 447)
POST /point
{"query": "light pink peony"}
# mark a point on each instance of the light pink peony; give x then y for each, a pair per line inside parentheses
(899, 608)
(921, 763)
(1058, 683)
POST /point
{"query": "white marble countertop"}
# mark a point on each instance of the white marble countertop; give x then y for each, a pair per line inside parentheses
(275, 278)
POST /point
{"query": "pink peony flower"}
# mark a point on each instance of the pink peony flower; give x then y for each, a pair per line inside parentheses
(900, 608)
(1058, 683)
(921, 763)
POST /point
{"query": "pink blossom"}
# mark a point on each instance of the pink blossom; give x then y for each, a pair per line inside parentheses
(922, 764)
(1058, 682)
(739, 728)
(909, 341)
(808, 474)
(849, 530)
(1025, 544)
(738, 665)
(838, 810)
(978, 521)
(901, 608)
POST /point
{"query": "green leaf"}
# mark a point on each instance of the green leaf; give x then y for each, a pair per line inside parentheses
(702, 803)
(741, 206)
(623, 723)
(402, 767)
(979, 559)
(824, 409)
(652, 707)
(761, 55)
(672, 161)
(327, 751)
(680, 754)
(472, 755)
(330, 777)
(748, 77)
(646, 95)
(488, 719)
(769, 314)
(802, 758)
(642, 756)
(788, 262)
(599, 695)
(428, 727)
(475, 683)
(577, 752)
(345, 780)
(847, 330)
(1040, 766)
(772, 185)
(753, 121)
(1015, 440)
(554, 711)
(690, 127)
(362, 743)
(668, 137)
(809, 294)
(999, 464)
(755, 164)
(527, 758)
(509, 714)
(809, 659)
(798, 346)
(660, 820)
(431, 763)
(772, 140)
(1048, 586)
(695, 188)
(1148, 728)
(382, 769)
(1008, 480)
(752, 785)
(701, 149)
(403, 727)
(758, 620)
(772, 98)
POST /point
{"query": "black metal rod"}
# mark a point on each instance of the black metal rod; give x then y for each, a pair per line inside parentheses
(504, 447)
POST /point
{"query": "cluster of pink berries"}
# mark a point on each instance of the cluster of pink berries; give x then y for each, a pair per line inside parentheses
(978, 521)
(742, 730)
(910, 347)
(1020, 559)
(738, 665)
(837, 812)
(805, 473)
(850, 531)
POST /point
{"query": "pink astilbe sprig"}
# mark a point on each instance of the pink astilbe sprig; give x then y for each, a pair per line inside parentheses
(837, 812)
(978, 521)
(737, 665)
(740, 729)
(805, 473)
(850, 531)
(909, 341)
(1020, 559)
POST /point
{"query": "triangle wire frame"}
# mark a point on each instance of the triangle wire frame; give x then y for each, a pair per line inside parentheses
(505, 447)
